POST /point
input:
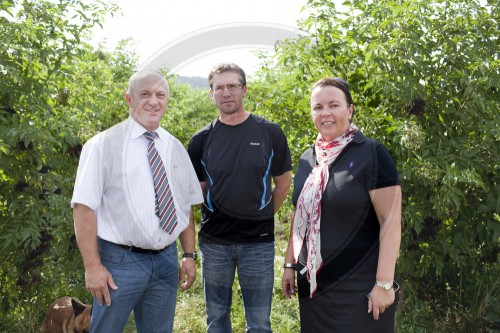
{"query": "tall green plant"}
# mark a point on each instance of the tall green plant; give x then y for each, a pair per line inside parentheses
(425, 76)
(55, 92)
(189, 110)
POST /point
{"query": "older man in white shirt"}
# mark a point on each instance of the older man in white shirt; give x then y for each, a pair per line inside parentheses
(133, 197)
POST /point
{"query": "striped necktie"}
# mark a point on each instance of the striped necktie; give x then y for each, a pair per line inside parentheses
(164, 207)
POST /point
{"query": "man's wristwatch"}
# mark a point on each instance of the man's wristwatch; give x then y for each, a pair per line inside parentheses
(193, 255)
(385, 285)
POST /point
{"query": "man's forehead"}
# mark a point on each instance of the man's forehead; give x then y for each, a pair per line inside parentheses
(150, 81)
(226, 78)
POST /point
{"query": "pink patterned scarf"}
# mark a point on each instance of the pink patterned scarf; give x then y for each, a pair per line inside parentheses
(306, 222)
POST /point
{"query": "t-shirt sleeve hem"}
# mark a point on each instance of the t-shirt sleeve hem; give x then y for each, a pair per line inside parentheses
(386, 184)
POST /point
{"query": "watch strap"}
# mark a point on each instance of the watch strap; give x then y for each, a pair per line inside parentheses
(193, 255)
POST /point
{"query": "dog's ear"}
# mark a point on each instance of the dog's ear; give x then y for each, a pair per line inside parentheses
(78, 306)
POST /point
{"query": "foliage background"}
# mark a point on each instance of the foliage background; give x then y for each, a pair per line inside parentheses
(425, 80)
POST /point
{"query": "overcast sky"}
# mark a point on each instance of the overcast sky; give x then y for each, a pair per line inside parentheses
(155, 24)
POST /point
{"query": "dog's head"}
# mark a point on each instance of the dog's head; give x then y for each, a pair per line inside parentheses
(82, 316)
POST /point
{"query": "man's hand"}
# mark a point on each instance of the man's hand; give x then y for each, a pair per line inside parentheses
(188, 270)
(288, 282)
(97, 280)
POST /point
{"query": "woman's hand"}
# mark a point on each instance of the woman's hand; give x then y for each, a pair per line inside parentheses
(379, 300)
(288, 282)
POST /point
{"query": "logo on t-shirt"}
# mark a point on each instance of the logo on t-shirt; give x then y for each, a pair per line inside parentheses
(254, 143)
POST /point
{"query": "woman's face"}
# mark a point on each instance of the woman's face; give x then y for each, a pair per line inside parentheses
(330, 112)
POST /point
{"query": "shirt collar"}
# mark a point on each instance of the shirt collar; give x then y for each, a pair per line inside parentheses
(359, 137)
(137, 130)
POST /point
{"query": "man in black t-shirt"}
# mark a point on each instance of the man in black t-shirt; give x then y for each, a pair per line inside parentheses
(235, 158)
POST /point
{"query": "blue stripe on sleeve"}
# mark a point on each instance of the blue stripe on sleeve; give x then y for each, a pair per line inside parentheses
(209, 203)
(263, 200)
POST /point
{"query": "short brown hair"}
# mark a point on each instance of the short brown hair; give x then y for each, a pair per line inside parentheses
(227, 67)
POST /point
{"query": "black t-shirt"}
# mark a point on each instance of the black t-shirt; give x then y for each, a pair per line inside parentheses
(237, 163)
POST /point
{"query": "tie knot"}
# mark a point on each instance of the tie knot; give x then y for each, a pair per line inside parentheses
(150, 135)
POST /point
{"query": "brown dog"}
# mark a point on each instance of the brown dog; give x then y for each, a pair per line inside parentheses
(67, 315)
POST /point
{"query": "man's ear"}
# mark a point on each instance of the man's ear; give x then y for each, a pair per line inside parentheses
(128, 98)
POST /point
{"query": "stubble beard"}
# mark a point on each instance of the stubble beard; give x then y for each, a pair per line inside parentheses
(229, 110)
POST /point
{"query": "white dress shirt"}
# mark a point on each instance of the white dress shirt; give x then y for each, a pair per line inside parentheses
(114, 179)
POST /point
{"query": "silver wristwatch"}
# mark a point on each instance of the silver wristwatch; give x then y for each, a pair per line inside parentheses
(385, 285)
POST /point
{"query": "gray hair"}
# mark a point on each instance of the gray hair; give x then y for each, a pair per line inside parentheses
(143, 73)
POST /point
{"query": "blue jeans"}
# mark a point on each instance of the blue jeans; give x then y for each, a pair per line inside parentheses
(255, 265)
(147, 284)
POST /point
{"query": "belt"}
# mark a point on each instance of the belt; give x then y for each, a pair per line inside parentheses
(136, 249)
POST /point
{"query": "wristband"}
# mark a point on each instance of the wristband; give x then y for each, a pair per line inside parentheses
(289, 265)
(193, 255)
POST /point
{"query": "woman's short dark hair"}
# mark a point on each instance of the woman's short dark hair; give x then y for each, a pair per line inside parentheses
(340, 83)
(337, 83)
(227, 67)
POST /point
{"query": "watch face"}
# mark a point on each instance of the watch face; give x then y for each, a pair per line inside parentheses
(386, 286)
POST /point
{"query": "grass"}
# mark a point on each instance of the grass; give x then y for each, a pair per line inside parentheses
(419, 316)
(471, 305)
(190, 315)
